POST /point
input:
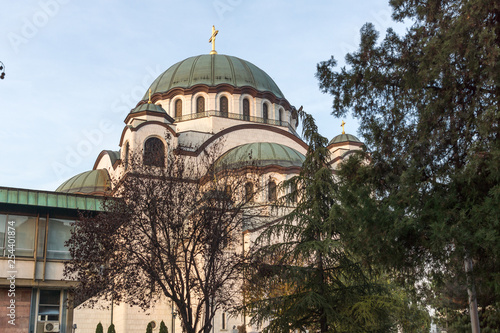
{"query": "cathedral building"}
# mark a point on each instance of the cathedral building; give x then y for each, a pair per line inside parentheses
(195, 103)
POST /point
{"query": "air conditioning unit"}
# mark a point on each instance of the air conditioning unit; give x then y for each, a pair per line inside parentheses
(51, 326)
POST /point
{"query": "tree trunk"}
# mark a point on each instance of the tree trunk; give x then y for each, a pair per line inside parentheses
(471, 290)
(322, 320)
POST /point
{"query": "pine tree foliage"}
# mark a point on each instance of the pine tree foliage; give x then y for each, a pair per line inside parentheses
(428, 105)
(302, 277)
(111, 328)
(163, 327)
(149, 328)
(99, 328)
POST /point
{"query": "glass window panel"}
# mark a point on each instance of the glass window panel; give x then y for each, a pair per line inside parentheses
(154, 152)
(178, 108)
(42, 223)
(271, 191)
(25, 234)
(246, 109)
(50, 297)
(49, 304)
(127, 148)
(249, 192)
(59, 233)
(293, 192)
(200, 104)
(3, 223)
(224, 106)
(48, 310)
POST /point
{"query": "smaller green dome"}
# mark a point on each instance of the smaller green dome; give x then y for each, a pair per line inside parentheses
(260, 154)
(344, 138)
(113, 155)
(96, 182)
(148, 107)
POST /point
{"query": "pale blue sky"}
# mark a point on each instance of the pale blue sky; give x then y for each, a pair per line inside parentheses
(75, 68)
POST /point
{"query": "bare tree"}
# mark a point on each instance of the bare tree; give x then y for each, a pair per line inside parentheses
(172, 229)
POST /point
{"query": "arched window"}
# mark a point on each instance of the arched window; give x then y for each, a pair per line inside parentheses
(178, 108)
(200, 104)
(249, 192)
(246, 109)
(271, 191)
(227, 190)
(154, 152)
(280, 114)
(224, 106)
(293, 193)
(127, 148)
(265, 112)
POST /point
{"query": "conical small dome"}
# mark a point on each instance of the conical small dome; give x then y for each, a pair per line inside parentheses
(344, 138)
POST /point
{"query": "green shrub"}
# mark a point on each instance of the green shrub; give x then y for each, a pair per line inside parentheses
(111, 328)
(149, 329)
(99, 328)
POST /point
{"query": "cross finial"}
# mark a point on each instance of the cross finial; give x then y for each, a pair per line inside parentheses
(342, 125)
(212, 39)
(149, 101)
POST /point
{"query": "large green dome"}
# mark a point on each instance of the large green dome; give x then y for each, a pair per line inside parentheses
(260, 154)
(96, 182)
(212, 70)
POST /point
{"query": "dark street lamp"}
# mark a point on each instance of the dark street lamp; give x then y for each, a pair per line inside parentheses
(2, 70)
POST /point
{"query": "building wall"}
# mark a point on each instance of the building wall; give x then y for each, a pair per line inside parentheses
(37, 235)
(20, 313)
(125, 318)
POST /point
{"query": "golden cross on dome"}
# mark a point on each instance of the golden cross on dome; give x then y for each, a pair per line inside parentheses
(342, 125)
(149, 101)
(212, 39)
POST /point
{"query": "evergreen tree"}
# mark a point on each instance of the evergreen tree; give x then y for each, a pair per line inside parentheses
(163, 327)
(149, 328)
(306, 279)
(428, 105)
(99, 328)
(111, 328)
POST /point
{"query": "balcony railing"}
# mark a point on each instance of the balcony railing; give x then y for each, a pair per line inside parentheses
(237, 116)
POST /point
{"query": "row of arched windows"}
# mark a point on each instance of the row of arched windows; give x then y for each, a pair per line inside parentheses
(154, 155)
(224, 108)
